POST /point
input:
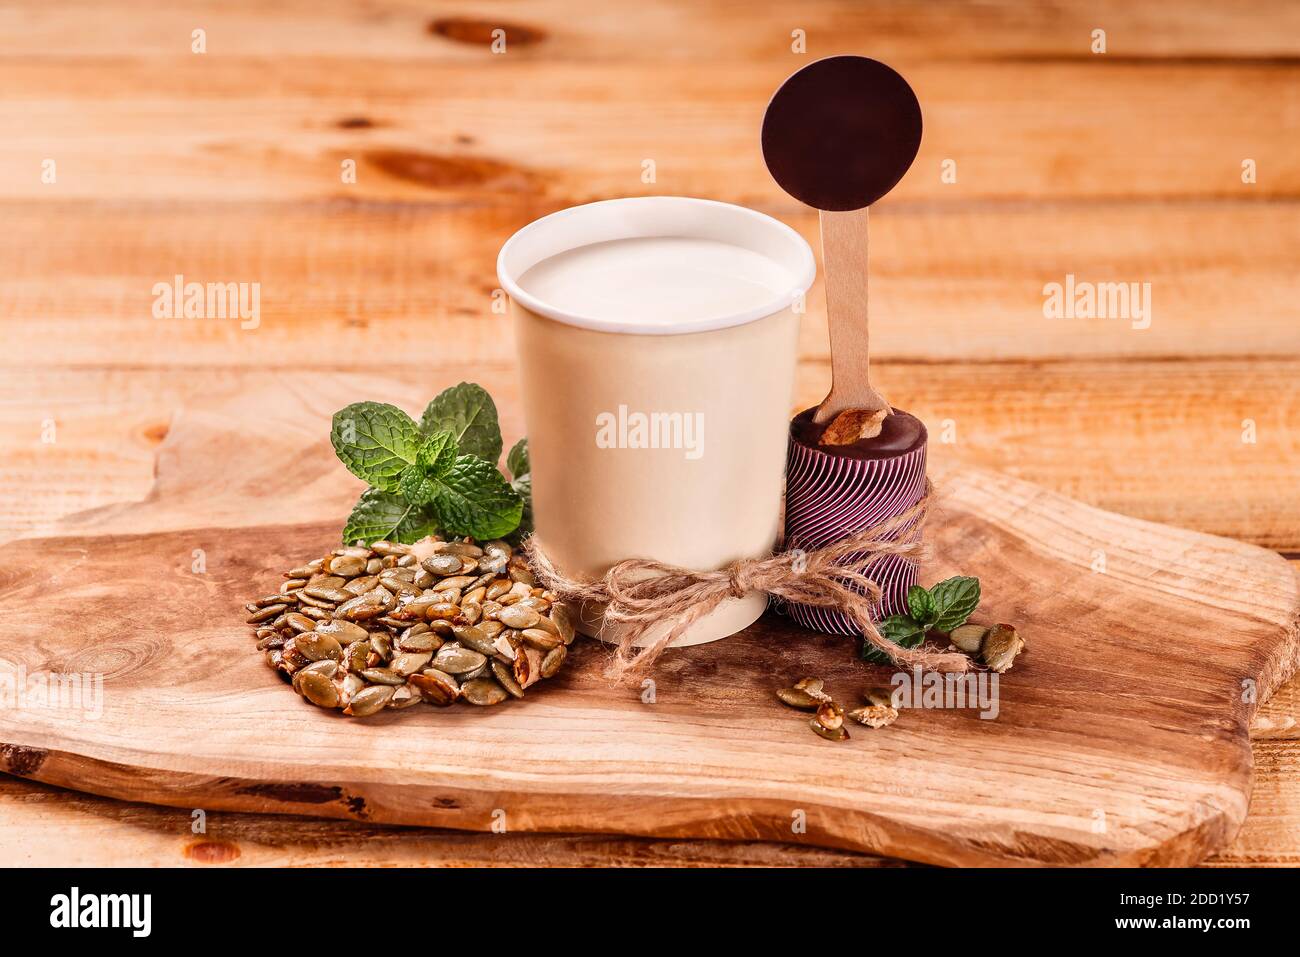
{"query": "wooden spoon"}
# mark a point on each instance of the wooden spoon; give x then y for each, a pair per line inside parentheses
(838, 135)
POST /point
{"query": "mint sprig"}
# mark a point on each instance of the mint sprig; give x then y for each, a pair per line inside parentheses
(942, 608)
(437, 476)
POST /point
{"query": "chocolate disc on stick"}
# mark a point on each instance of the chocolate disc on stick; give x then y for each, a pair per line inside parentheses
(838, 135)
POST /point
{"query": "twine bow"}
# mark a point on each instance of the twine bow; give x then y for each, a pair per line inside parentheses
(642, 593)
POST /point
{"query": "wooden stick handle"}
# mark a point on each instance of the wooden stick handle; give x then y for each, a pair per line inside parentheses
(844, 260)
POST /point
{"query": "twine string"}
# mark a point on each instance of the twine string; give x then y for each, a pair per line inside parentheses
(640, 594)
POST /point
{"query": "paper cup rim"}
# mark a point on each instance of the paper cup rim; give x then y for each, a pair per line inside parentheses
(645, 216)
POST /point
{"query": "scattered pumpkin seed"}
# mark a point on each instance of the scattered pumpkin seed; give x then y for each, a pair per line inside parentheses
(1000, 647)
(968, 637)
(840, 733)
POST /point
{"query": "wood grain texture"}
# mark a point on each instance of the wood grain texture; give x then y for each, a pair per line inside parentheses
(1115, 435)
(43, 826)
(346, 282)
(727, 31)
(1154, 741)
(1117, 167)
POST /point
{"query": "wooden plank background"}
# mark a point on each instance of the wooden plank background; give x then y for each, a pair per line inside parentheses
(225, 166)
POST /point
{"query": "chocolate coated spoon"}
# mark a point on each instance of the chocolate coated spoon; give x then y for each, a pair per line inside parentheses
(838, 135)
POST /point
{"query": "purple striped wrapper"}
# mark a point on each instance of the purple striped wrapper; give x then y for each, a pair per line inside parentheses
(829, 497)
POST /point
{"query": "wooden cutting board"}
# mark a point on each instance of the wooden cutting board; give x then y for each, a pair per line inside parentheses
(1121, 736)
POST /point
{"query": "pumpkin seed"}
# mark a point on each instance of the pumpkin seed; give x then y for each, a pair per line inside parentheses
(266, 614)
(383, 676)
(318, 689)
(519, 571)
(325, 593)
(345, 631)
(483, 692)
(348, 566)
(506, 679)
(409, 662)
(423, 641)
(798, 699)
(370, 700)
(471, 637)
(463, 549)
(829, 715)
(441, 565)
(315, 646)
(327, 581)
(968, 638)
(456, 660)
(875, 715)
(405, 697)
(830, 734)
(527, 666)
(456, 582)
(553, 661)
(364, 606)
(438, 687)
(326, 668)
(442, 609)
(299, 622)
(520, 618)
(357, 654)
(561, 619)
(1000, 647)
(540, 639)
(812, 687)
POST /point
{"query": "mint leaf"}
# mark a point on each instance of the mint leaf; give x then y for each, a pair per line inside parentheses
(417, 487)
(435, 458)
(921, 604)
(522, 482)
(523, 487)
(517, 460)
(376, 442)
(438, 454)
(954, 601)
(899, 629)
(380, 514)
(474, 499)
(469, 414)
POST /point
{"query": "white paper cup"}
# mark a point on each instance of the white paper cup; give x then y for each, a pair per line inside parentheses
(595, 502)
